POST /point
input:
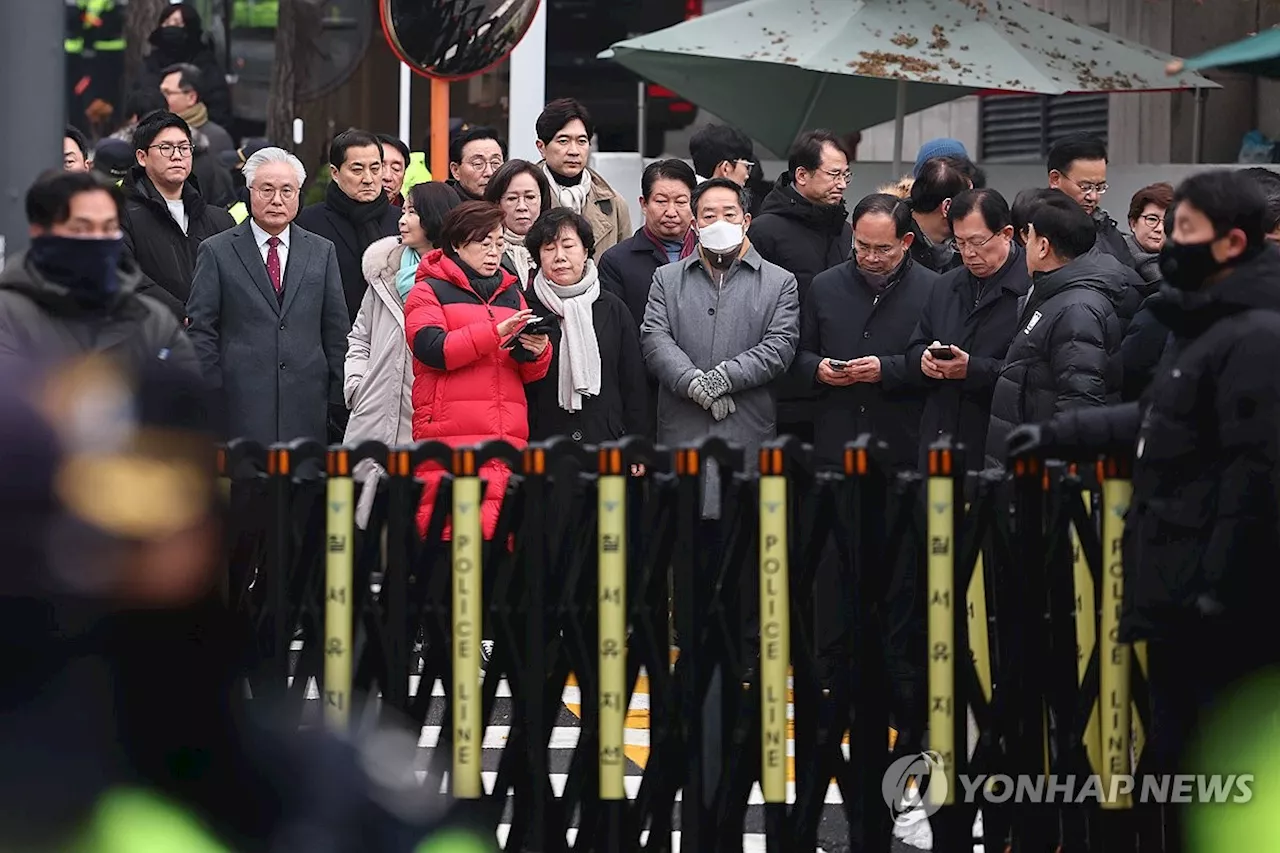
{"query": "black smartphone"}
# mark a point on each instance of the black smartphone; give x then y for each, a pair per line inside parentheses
(942, 353)
(836, 364)
(534, 326)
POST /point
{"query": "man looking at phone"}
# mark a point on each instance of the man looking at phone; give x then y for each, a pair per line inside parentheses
(854, 329)
(968, 321)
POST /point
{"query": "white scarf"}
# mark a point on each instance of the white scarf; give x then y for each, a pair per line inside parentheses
(579, 349)
(519, 255)
(573, 197)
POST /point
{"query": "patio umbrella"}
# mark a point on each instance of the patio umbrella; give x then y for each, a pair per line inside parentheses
(1256, 54)
(776, 67)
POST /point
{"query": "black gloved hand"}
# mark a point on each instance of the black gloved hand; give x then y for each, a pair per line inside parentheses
(1027, 439)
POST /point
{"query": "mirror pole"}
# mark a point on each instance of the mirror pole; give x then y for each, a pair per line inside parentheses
(440, 129)
(528, 92)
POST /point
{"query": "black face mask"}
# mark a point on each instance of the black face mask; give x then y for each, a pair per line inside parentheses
(1186, 266)
(171, 40)
(87, 267)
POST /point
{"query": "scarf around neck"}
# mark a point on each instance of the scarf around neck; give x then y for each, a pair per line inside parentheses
(573, 196)
(197, 116)
(579, 374)
(409, 260)
(520, 256)
(365, 216)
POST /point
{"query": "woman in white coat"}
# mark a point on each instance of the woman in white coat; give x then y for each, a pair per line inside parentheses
(378, 379)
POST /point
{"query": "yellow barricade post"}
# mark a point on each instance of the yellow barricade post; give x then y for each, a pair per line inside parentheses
(942, 623)
(467, 621)
(1086, 637)
(1114, 655)
(775, 625)
(338, 614)
(612, 621)
(979, 636)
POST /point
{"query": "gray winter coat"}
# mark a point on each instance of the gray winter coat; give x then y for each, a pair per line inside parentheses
(278, 366)
(751, 324)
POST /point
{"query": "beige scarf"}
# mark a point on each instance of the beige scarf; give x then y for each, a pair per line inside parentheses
(519, 255)
(573, 197)
(196, 117)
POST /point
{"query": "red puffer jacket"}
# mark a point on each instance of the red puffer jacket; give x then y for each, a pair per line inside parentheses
(466, 388)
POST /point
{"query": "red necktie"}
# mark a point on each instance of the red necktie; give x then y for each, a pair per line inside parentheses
(273, 264)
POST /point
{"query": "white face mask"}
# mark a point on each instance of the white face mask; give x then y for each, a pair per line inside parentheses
(721, 236)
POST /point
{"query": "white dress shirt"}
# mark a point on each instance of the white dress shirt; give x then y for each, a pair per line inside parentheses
(261, 237)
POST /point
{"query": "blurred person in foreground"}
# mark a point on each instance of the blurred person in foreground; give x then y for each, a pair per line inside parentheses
(1201, 530)
(127, 657)
(74, 292)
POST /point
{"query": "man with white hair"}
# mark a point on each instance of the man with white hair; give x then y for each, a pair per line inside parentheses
(268, 316)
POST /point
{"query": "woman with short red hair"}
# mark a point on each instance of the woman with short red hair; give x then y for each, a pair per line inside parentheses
(467, 386)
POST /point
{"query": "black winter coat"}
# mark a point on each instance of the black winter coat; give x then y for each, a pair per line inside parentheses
(801, 237)
(1145, 341)
(1111, 239)
(320, 218)
(166, 256)
(980, 317)
(1203, 519)
(804, 239)
(941, 258)
(627, 268)
(844, 319)
(1065, 354)
(622, 407)
(43, 320)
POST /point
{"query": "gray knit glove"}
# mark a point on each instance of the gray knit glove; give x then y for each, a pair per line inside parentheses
(716, 382)
(696, 392)
(709, 387)
(722, 407)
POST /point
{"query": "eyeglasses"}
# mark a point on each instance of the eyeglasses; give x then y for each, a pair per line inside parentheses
(1087, 188)
(837, 175)
(1151, 220)
(974, 244)
(478, 163)
(268, 193)
(865, 251)
(168, 149)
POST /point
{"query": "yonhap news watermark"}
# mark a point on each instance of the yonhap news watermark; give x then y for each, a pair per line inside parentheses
(920, 782)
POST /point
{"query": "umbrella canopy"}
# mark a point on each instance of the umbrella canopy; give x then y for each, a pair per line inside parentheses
(776, 67)
(1257, 54)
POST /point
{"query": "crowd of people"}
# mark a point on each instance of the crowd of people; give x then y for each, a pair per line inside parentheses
(514, 301)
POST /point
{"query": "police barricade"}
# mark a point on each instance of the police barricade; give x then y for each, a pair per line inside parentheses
(595, 570)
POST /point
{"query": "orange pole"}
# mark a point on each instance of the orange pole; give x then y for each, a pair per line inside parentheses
(439, 129)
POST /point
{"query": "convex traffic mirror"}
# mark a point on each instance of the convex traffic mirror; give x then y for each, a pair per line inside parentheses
(454, 39)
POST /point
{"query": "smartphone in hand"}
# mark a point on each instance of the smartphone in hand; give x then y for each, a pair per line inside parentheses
(942, 353)
(837, 364)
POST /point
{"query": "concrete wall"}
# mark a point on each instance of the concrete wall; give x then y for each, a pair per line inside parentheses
(1154, 128)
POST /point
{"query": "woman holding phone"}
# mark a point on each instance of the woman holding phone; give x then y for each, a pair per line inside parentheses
(468, 387)
(596, 387)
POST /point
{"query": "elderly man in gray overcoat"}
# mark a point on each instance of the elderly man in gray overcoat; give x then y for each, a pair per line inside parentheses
(720, 327)
(267, 313)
